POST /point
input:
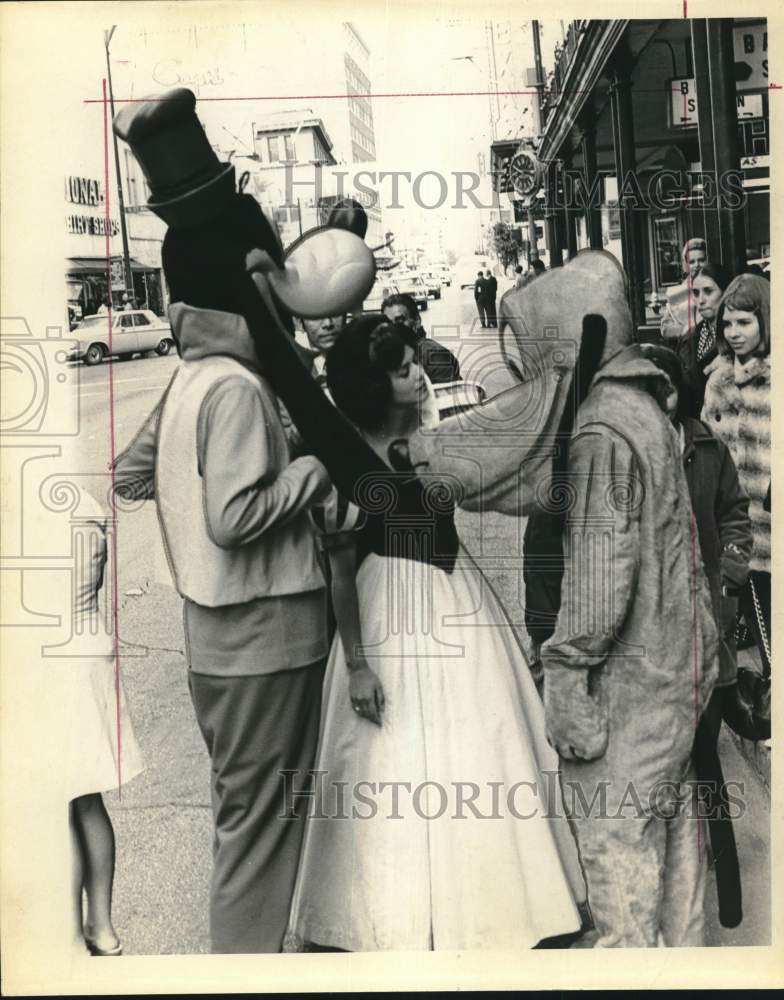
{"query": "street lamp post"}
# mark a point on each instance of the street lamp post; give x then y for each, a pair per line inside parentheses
(128, 277)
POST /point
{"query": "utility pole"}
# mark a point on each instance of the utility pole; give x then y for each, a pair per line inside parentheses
(107, 37)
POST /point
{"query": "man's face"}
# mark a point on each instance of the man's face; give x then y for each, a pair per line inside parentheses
(322, 333)
(399, 313)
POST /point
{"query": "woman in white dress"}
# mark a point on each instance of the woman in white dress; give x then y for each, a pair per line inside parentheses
(437, 819)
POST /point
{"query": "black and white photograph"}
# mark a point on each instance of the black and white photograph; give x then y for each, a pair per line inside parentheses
(386, 452)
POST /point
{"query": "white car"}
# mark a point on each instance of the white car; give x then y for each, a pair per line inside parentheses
(413, 284)
(457, 397)
(432, 283)
(134, 331)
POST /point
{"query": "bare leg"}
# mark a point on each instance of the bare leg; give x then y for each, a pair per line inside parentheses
(97, 838)
(77, 870)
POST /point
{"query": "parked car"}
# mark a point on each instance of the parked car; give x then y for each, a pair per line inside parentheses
(432, 283)
(134, 331)
(466, 269)
(413, 284)
(383, 287)
(457, 397)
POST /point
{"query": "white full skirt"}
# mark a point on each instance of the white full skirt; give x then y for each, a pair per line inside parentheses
(443, 828)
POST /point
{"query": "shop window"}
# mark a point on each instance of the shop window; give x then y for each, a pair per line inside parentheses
(667, 251)
(291, 149)
(272, 146)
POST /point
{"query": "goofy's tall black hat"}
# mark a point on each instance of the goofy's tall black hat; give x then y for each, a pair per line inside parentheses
(213, 226)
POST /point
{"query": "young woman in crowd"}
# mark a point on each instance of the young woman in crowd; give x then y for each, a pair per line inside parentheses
(697, 349)
(428, 701)
(679, 311)
(721, 510)
(737, 410)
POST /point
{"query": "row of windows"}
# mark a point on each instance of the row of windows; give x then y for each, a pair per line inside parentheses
(281, 147)
(362, 140)
(355, 77)
(137, 190)
(361, 111)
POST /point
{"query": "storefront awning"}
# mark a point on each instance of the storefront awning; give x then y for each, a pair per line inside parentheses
(93, 265)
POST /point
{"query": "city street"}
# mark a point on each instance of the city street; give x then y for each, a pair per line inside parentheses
(162, 819)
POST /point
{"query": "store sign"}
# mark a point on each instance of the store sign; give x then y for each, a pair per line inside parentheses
(84, 191)
(751, 56)
(683, 104)
(89, 192)
(91, 225)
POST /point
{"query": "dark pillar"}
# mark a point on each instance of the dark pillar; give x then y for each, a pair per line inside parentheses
(532, 238)
(699, 42)
(551, 214)
(726, 148)
(631, 217)
(570, 220)
(593, 212)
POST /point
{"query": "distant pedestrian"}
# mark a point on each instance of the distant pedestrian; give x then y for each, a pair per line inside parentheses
(492, 291)
(480, 297)
(437, 361)
(537, 266)
(519, 277)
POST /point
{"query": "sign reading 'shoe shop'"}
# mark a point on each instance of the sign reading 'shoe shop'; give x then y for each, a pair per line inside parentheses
(88, 193)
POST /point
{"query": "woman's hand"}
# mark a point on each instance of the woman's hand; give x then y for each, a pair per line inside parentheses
(365, 691)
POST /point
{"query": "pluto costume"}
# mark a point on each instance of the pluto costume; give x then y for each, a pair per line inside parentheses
(633, 659)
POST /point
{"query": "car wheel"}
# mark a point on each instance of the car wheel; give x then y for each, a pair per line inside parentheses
(94, 354)
(164, 347)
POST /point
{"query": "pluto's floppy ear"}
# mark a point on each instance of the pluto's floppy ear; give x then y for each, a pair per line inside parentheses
(589, 358)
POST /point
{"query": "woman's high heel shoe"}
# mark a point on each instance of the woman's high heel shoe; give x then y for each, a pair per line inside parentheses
(94, 950)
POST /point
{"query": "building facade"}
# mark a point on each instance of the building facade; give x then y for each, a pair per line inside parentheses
(654, 132)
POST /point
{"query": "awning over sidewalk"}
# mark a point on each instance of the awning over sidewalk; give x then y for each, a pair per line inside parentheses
(89, 265)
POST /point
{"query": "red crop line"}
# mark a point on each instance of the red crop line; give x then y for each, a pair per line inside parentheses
(775, 86)
(685, 8)
(113, 451)
(695, 644)
(344, 97)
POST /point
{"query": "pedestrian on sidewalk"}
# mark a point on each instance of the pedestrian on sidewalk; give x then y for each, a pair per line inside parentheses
(439, 363)
(737, 410)
(480, 297)
(233, 509)
(491, 287)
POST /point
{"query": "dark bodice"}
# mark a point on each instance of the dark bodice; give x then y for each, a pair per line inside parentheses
(406, 516)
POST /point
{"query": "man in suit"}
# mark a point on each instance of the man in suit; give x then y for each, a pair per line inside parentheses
(492, 291)
(439, 363)
(480, 297)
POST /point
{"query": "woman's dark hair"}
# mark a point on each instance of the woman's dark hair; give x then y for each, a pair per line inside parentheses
(358, 367)
(668, 361)
(718, 275)
(750, 293)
